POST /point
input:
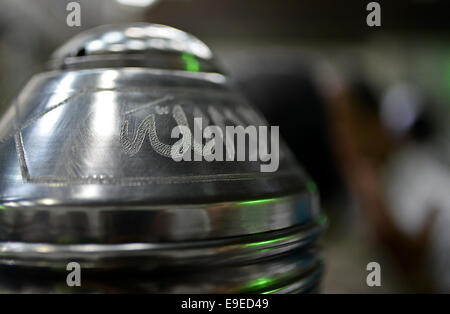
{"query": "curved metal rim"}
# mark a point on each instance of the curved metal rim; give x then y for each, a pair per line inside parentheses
(303, 285)
(265, 278)
(153, 255)
(236, 219)
(131, 60)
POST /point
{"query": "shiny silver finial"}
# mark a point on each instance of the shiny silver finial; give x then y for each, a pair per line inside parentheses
(139, 44)
(85, 176)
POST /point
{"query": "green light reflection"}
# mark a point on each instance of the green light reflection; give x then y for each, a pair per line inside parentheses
(311, 186)
(259, 284)
(267, 200)
(266, 242)
(322, 220)
(192, 64)
(270, 291)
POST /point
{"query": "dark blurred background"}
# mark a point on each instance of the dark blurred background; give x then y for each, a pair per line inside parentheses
(364, 109)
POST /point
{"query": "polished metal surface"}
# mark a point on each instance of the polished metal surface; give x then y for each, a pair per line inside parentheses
(76, 153)
(298, 273)
(64, 154)
(188, 253)
(86, 172)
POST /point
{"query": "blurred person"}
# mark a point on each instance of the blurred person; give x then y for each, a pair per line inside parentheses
(368, 137)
